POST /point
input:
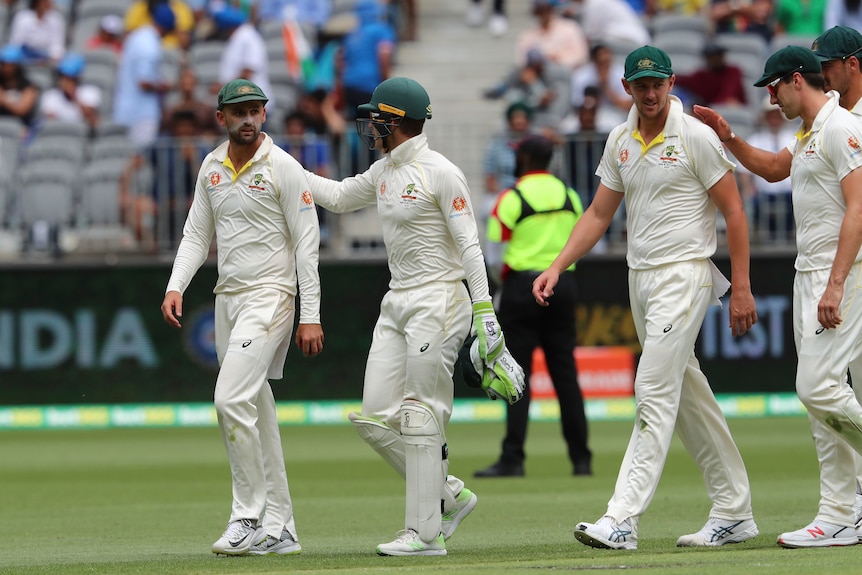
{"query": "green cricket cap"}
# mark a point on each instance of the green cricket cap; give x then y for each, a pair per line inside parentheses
(837, 43)
(402, 97)
(240, 90)
(647, 62)
(787, 60)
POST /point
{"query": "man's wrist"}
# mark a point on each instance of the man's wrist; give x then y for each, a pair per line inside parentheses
(729, 138)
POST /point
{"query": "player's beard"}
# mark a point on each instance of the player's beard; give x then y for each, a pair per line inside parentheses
(241, 135)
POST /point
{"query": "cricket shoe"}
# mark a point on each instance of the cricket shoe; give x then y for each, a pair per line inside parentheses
(857, 515)
(239, 537)
(286, 545)
(407, 543)
(719, 532)
(819, 534)
(606, 533)
(464, 504)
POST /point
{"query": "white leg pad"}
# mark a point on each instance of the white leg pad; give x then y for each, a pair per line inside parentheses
(390, 446)
(382, 439)
(423, 449)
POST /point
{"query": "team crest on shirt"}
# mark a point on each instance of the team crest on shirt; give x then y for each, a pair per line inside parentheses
(383, 188)
(408, 195)
(459, 207)
(308, 200)
(624, 156)
(810, 151)
(214, 178)
(257, 183)
(666, 158)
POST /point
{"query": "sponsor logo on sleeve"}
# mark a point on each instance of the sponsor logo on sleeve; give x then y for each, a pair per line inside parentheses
(308, 200)
(459, 207)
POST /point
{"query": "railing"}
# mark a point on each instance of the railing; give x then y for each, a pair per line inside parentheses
(157, 188)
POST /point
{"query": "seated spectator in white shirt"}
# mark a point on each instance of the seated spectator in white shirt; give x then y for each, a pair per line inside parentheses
(40, 30)
(70, 101)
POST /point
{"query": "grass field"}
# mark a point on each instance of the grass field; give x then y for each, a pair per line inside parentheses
(152, 501)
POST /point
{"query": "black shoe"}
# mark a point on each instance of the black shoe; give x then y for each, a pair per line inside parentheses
(582, 468)
(502, 470)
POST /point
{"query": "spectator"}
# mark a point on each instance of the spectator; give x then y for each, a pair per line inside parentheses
(366, 56)
(142, 12)
(109, 35)
(138, 96)
(560, 40)
(244, 55)
(498, 167)
(498, 23)
(321, 116)
(40, 30)
(526, 84)
(752, 16)
(686, 7)
(188, 101)
(718, 83)
(800, 17)
(603, 74)
(69, 101)
(843, 13)
(18, 96)
(771, 207)
(610, 21)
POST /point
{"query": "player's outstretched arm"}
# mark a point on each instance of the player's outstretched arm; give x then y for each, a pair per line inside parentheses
(309, 338)
(172, 308)
(770, 166)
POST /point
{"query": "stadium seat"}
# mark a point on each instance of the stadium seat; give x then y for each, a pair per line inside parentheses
(684, 41)
(669, 22)
(45, 191)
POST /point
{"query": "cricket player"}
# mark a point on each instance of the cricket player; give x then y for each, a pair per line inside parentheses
(673, 173)
(826, 187)
(839, 51)
(254, 197)
(432, 243)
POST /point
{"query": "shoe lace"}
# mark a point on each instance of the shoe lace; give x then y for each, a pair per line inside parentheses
(237, 529)
(406, 535)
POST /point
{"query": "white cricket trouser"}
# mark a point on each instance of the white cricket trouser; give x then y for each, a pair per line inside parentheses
(253, 330)
(668, 306)
(413, 352)
(833, 410)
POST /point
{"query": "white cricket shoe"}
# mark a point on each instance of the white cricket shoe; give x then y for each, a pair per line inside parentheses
(718, 532)
(407, 542)
(857, 515)
(239, 537)
(464, 504)
(286, 545)
(606, 533)
(819, 534)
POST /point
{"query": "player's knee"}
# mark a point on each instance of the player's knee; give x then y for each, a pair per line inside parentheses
(418, 420)
(371, 430)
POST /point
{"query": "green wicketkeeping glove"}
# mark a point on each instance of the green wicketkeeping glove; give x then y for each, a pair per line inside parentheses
(488, 332)
(504, 378)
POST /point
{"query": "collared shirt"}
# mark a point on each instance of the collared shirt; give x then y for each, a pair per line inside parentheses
(265, 223)
(669, 214)
(822, 157)
(425, 212)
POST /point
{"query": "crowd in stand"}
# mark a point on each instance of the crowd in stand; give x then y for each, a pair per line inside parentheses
(567, 70)
(149, 69)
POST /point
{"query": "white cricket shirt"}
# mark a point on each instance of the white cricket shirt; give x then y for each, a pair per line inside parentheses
(425, 211)
(669, 214)
(822, 157)
(265, 224)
